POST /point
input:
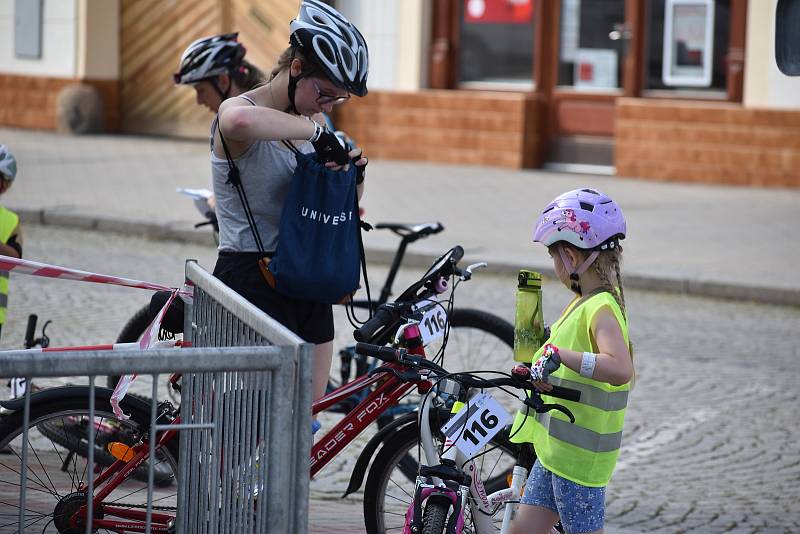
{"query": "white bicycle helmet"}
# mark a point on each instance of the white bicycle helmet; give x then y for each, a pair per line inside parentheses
(8, 164)
(209, 57)
(332, 42)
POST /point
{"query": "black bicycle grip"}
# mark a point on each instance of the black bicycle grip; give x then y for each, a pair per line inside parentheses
(564, 393)
(30, 331)
(386, 354)
(381, 318)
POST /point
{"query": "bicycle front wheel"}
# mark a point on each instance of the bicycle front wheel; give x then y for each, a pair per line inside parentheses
(55, 470)
(390, 489)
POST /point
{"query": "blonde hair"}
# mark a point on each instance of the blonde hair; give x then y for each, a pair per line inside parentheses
(607, 264)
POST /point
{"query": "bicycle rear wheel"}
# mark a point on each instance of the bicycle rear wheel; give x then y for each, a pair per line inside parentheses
(54, 472)
(389, 490)
(477, 340)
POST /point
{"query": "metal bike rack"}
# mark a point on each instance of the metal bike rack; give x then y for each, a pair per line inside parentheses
(245, 434)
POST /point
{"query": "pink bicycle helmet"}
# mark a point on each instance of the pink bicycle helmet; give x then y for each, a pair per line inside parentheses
(585, 218)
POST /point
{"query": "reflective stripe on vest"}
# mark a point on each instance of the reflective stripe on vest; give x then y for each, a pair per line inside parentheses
(580, 437)
(608, 401)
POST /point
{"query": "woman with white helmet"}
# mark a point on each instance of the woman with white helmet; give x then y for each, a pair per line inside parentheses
(10, 231)
(215, 67)
(326, 62)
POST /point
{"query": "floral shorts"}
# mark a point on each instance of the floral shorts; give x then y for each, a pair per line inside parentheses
(581, 508)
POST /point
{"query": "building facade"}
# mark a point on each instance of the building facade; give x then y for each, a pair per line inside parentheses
(657, 89)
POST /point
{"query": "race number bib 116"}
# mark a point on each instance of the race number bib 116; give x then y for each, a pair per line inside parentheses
(476, 424)
(434, 320)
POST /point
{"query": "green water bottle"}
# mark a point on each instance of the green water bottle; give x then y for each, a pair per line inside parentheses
(528, 319)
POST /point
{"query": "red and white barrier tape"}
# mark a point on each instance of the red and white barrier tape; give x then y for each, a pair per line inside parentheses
(34, 268)
(148, 340)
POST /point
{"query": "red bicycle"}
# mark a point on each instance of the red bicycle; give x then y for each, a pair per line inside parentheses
(56, 487)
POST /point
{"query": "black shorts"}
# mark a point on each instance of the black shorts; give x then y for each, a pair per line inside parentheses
(312, 321)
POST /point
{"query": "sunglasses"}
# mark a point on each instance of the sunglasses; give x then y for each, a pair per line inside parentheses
(324, 98)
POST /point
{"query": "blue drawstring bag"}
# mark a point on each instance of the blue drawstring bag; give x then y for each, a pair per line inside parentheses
(318, 255)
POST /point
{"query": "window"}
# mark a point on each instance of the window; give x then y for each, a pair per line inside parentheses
(697, 35)
(588, 58)
(787, 46)
(496, 41)
(28, 29)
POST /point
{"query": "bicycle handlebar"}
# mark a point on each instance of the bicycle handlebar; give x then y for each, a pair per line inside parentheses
(383, 316)
(385, 354)
(392, 355)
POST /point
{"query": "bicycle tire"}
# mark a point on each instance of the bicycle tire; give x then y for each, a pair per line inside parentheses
(434, 518)
(53, 474)
(71, 433)
(397, 451)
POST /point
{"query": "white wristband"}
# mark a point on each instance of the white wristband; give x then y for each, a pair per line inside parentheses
(317, 131)
(587, 364)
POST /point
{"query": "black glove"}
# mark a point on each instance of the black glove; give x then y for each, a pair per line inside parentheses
(328, 148)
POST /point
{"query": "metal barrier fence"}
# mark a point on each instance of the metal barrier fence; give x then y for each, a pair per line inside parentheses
(220, 317)
(242, 460)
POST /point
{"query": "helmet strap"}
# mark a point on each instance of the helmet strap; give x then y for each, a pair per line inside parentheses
(222, 94)
(574, 274)
(293, 86)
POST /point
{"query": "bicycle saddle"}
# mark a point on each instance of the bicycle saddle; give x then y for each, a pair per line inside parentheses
(417, 230)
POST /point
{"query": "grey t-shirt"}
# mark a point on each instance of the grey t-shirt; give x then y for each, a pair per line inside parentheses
(266, 170)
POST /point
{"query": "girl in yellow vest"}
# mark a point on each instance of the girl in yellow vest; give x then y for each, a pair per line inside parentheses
(590, 350)
(10, 233)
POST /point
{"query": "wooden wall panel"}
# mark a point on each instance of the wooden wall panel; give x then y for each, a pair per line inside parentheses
(479, 128)
(154, 35)
(707, 142)
(263, 28)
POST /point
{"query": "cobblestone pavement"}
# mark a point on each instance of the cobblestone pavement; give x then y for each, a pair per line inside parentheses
(712, 442)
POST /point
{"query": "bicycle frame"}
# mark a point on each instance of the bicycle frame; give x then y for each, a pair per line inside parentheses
(388, 392)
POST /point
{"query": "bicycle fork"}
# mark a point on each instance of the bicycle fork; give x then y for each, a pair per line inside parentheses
(440, 479)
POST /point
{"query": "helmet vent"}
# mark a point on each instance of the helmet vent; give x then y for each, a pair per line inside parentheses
(324, 49)
(586, 206)
(347, 58)
(592, 191)
(551, 208)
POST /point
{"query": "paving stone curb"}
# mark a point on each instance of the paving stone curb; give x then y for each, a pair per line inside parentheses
(166, 232)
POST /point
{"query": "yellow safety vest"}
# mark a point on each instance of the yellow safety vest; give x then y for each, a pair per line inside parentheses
(584, 452)
(8, 223)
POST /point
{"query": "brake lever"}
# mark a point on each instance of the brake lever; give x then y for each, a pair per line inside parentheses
(558, 407)
(408, 376)
(467, 273)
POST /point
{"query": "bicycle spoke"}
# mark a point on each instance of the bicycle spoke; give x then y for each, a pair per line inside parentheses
(401, 488)
(398, 498)
(52, 485)
(44, 490)
(61, 461)
(38, 481)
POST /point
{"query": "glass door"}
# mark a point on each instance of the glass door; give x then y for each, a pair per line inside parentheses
(592, 45)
